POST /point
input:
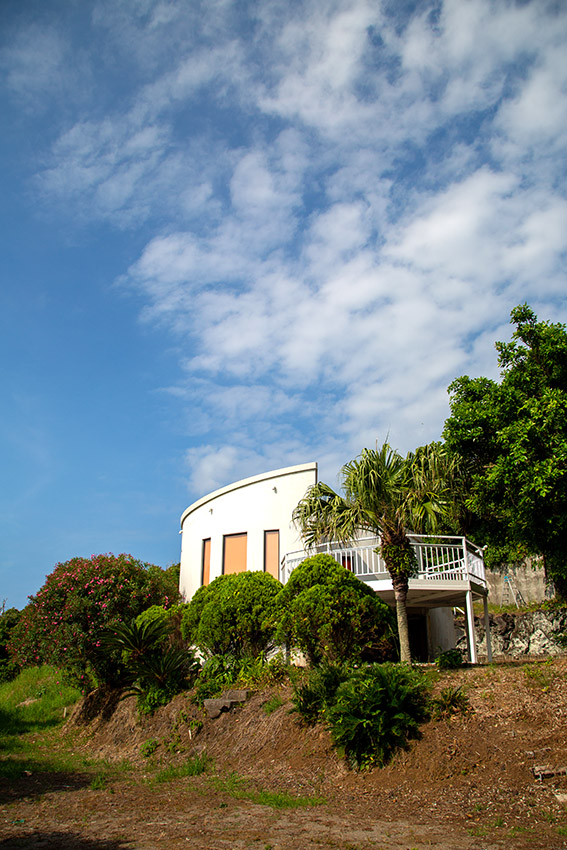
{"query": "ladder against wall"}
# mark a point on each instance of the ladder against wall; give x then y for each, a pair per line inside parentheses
(511, 594)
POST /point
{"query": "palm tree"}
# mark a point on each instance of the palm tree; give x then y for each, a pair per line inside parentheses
(389, 496)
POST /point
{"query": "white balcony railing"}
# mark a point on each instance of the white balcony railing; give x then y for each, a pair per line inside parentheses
(439, 558)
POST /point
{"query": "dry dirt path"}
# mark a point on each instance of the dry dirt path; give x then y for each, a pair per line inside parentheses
(187, 813)
(467, 784)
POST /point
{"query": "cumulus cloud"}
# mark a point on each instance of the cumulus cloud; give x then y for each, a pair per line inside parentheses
(340, 202)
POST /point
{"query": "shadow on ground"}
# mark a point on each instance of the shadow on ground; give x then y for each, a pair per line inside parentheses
(62, 841)
(39, 782)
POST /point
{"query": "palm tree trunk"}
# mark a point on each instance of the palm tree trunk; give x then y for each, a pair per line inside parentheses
(400, 584)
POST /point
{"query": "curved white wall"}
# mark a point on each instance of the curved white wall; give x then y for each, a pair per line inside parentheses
(251, 506)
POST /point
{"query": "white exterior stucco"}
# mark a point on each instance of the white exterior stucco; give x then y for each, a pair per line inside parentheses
(234, 529)
(251, 506)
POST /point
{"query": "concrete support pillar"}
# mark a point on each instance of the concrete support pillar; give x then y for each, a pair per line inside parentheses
(487, 629)
(471, 637)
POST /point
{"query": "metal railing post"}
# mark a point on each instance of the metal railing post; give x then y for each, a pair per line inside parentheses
(487, 629)
(471, 636)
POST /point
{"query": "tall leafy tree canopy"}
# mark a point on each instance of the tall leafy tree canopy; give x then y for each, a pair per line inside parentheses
(512, 438)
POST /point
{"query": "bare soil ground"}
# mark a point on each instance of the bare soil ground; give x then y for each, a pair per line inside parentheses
(467, 784)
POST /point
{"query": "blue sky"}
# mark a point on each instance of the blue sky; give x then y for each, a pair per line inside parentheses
(239, 236)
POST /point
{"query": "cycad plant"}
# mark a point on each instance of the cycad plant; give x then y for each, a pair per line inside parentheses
(315, 692)
(155, 672)
(376, 711)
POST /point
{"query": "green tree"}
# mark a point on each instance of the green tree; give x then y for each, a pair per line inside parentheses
(512, 438)
(386, 495)
(332, 616)
(63, 622)
(8, 621)
(233, 615)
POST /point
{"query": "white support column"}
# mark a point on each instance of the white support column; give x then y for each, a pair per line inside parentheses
(471, 637)
(487, 629)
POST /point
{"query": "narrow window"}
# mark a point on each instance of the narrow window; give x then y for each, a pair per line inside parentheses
(234, 553)
(272, 553)
(206, 565)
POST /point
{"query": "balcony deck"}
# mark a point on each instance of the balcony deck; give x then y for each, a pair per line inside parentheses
(450, 573)
(447, 567)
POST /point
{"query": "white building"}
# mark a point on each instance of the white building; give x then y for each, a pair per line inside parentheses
(248, 526)
(245, 526)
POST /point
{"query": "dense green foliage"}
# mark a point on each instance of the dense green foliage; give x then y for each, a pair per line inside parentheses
(329, 614)
(512, 438)
(63, 622)
(234, 615)
(385, 495)
(316, 690)
(171, 617)
(451, 659)
(371, 711)
(376, 711)
(152, 669)
(8, 620)
(224, 672)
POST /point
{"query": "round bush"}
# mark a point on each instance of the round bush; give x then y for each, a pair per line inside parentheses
(168, 616)
(8, 622)
(331, 615)
(234, 615)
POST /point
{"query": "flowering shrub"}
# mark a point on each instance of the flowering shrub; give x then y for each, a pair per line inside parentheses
(8, 622)
(62, 623)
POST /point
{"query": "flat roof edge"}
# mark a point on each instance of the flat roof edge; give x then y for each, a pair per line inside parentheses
(246, 482)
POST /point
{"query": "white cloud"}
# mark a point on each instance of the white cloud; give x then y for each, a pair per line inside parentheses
(33, 63)
(341, 203)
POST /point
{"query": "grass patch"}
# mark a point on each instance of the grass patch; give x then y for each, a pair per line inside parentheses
(238, 787)
(32, 702)
(272, 704)
(149, 747)
(449, 702)
(540, 675)
(194, 766)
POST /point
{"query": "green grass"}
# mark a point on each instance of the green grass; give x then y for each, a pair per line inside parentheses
(238, 787)
(272, 704)
(47, 697)
(194, 766)
(31, 740)
(540, 675)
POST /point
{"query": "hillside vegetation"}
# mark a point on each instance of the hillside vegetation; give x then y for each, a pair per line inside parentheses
(259, 776)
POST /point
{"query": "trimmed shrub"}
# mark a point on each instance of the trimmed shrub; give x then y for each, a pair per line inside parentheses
(63, 622)
(171, 617)
(377, 710)
(234, 615)
(331, 615)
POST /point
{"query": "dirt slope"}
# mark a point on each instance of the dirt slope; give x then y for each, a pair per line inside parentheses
(468, 783)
